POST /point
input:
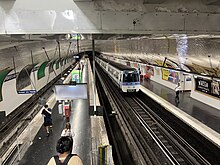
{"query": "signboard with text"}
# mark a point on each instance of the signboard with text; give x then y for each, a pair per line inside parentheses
(210, 87)
(27, 92)
(170, 75)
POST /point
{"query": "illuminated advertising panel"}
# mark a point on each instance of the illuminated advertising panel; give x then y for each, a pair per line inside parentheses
(76, 75)
(203, 85)
(210, 87)
(170, 75)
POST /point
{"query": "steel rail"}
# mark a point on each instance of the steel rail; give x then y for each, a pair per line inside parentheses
(170, 143)
(178, 142)
(111, 92)
(118, 104)
(174, 150)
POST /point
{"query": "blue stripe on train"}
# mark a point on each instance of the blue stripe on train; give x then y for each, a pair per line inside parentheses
(130, 83)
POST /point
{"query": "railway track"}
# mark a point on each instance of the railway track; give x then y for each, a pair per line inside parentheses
(176, 149)
(150, 139)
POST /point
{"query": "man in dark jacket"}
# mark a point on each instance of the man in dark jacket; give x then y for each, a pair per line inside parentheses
(46, 112)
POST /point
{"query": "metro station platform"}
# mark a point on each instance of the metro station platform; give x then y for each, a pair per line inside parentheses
(202, 117)
(85, 127)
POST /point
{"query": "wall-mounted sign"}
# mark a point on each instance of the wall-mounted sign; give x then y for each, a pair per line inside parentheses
(27, 92)
(135, 65)
(203, 85)
(215, 88)
(76, 75)
(150, 70)
(170, 75)
(210, 87)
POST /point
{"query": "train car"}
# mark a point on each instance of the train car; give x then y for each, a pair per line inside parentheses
(125, 77)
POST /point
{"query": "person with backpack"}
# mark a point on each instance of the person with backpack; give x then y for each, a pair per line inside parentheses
(64, 148)
(46, 112)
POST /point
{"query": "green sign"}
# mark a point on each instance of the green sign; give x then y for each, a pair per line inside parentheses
(76, 75)
(76, 37)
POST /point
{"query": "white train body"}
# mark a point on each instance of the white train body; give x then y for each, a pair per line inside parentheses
(126, 78)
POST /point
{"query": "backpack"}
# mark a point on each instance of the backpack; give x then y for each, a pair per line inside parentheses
(58, 162)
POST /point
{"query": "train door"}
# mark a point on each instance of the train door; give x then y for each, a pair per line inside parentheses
(121, 79)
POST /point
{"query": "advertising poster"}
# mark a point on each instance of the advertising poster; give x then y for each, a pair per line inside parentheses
(210, 87)
(76, 75)
(150, 70)
(215, 88)
(203, 85)
(135, 65)
(170, 75)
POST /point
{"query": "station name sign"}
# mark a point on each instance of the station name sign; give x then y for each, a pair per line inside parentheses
(27, 92)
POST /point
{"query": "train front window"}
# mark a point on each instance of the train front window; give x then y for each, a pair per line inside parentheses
(130, 77)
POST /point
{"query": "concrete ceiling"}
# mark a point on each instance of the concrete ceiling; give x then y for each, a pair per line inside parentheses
(110, 17)
(147, 29)
(200, 50)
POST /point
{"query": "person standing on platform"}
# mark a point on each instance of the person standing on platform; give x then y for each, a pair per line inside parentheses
(67, 110)
(67, 131)
(177, 89)
(64, 148)
(46, 112)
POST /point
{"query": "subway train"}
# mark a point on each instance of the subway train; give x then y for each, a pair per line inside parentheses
(125, 77)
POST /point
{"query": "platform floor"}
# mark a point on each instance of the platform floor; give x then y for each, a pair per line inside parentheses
(200, 111)
(43, 147)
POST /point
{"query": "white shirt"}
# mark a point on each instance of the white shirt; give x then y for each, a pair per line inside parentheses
(178, 87)
(67, 132)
